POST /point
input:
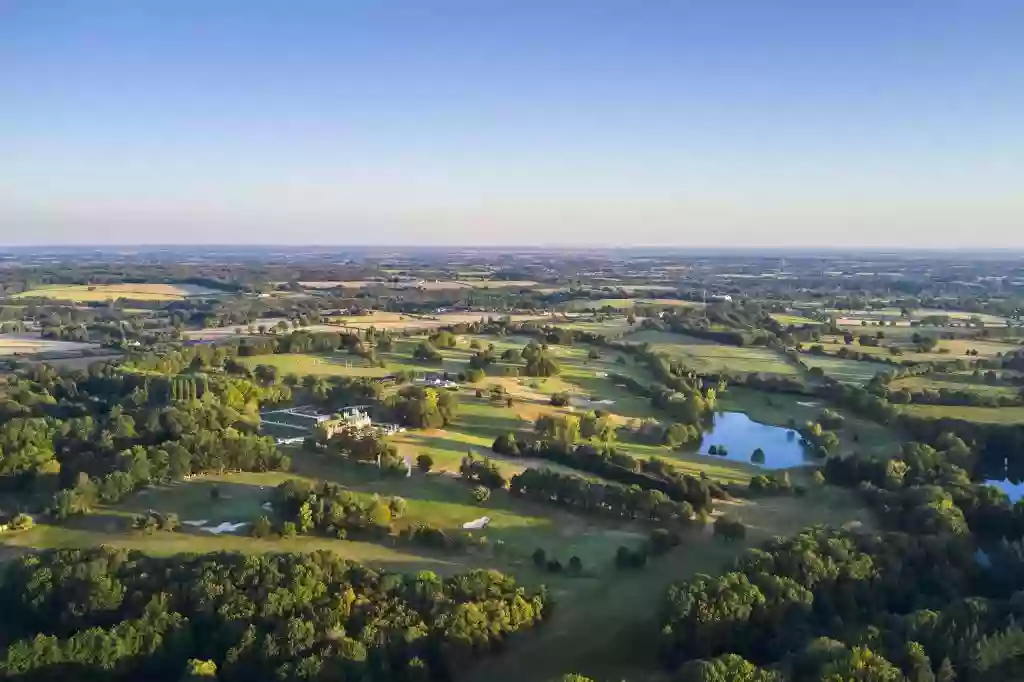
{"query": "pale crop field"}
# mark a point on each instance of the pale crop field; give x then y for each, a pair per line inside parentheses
(101, 292)
(22, 344)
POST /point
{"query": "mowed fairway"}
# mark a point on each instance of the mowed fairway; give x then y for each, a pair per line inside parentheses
(708, 356)
(102, 292)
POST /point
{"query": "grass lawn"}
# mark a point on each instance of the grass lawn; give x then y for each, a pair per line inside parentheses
(102, 292)
(328, 364)
(708, 356)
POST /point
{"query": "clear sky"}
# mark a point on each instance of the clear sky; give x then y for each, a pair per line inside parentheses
(541, 122)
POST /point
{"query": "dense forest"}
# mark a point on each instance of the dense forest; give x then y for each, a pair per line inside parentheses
(108, 615)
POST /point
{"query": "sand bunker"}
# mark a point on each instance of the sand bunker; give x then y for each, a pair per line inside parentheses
(224, 527)
(477, 524)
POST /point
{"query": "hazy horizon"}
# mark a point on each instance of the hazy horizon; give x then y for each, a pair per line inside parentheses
(595, 123)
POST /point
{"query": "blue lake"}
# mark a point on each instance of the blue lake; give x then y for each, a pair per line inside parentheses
(1014, 490)
(741, 435)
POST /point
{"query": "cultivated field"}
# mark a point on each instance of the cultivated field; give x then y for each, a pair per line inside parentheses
(102, 292)
(28, 345)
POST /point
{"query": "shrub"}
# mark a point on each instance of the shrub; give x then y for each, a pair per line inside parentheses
(559, 399)
(424, 463)
(540, 558)
(758, 456)
(261, 528)
(554, 566)
(662, 540)
(627, 558)
(575, 565)
(21, 522)
(729, 528)
(289, 530)
(506, 444)
(480, 493)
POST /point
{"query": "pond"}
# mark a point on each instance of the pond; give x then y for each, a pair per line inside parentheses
(741, 435)
(1015, 491)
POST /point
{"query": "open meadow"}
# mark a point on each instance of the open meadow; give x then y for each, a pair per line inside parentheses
(981, 415)
(857, 372)
(945, 350)
(958, 381)
(709, 356)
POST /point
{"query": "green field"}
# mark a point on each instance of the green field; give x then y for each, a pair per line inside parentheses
(797, 320)
(982, 415)
(946, 350)
(627, 303)
(708, 356)
(961, 381)
(847, 371)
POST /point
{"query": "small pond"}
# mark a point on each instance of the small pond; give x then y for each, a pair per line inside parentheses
(741, 435)
(1015, 491)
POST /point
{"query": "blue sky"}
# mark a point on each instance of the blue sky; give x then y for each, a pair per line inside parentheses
(604, 122)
